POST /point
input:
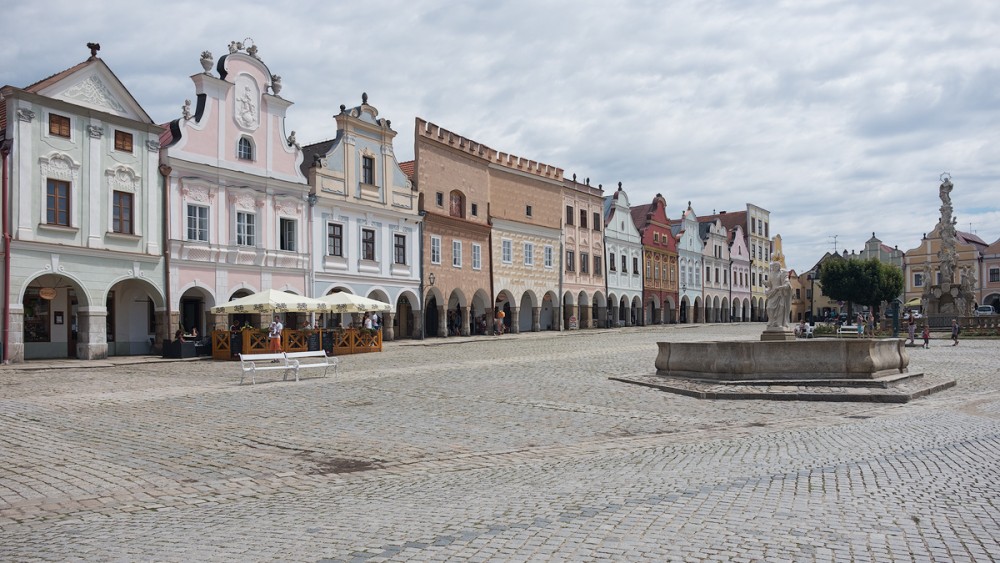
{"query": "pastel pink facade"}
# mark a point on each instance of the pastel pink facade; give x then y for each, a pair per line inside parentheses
(237, 207)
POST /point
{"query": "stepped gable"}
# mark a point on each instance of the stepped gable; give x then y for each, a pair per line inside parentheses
(442, 136)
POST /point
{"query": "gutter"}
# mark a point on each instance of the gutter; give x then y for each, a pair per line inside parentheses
(165, 172)
(5, 152)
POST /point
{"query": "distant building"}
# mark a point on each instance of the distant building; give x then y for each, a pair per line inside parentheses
(690, 257)
(623, 246)
(584, 301)
(659, 248)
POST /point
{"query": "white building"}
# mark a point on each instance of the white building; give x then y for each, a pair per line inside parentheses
(623, 254)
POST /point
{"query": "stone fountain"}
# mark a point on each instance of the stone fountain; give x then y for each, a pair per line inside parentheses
(782, 367)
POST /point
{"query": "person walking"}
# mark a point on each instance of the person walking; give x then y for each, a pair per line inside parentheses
(274, 334)
(954, 331)
(911, 328)
(927, 337)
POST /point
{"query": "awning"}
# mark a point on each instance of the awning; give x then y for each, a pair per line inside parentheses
(915, 302)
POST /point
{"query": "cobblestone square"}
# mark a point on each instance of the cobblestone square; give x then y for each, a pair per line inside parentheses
(510, 448)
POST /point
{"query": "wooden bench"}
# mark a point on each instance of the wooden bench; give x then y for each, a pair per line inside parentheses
(248, 363)
(322, 361)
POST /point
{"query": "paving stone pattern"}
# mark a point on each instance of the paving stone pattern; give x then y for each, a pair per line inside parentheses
(473, 449)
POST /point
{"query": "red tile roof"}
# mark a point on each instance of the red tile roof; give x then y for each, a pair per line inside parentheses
(408, 168)
(41, 84)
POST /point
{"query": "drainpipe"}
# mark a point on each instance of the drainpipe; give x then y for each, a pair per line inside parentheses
(493, 304)
(562, 313)
(420, 253)
(5, 152)
(165, 172)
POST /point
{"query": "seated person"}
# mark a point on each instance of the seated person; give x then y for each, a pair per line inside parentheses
(179, 336)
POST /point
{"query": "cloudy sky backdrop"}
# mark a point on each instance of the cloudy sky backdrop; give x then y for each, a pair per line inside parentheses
(837, 116)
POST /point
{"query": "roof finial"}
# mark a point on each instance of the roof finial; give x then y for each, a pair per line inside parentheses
(94, 48)
(619, 186)
(364, 97)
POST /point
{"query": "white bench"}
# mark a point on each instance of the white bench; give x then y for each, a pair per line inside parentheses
(248, 363)
(847, 329)
(322, 361)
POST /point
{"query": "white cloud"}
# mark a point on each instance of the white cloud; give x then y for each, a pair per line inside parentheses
(836, 116)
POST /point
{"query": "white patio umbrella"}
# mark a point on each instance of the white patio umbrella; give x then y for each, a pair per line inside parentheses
(348, 303)
(272, 301)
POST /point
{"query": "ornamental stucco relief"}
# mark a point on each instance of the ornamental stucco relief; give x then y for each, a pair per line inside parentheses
(60, 167)
(246, 103)
(122, 178)
(93, 91)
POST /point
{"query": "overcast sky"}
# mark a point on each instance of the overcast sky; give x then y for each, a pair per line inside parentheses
(836, 116)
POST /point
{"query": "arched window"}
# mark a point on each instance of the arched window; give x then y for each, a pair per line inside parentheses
(457, 204)
(244, 149)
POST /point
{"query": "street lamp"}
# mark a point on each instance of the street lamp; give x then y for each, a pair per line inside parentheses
(430, 278)
(812, 296)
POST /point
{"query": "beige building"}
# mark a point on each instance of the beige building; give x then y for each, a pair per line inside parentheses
(453, 182)
(923, 265)
(584, 298)
(526, 214)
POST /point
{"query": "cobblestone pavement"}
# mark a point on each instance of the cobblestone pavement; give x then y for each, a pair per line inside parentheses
(510, 448)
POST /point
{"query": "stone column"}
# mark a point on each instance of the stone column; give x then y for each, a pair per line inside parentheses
(92, 343)
(464, 328)
(162, 331)
(515, 321)
(388, 333)
(15, 340)
(613, 321)
(536, 319)
(584, 316)
(602, 317)
(442, 328)
(557, 319)
(418, 323)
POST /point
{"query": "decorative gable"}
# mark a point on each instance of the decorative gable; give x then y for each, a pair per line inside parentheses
(93, 85)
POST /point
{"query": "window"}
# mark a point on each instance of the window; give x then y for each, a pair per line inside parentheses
(506, 251)
(121, 212)
(570, 265)
(994, 275)
(597, 221)
(766, 229)
(809, 294)
(244, 149)
(286, 234)
(399, 248)
(753, 278)
(656, 273)
(58, 125)
(529, 254)
(649, 268)
(456, 253)
(548, 256)
(527, 210)
(367, 244)
(435, 250)
(475, 210)
(918, 280)
(569, 214)
(457, 207)
(334, 239)
(57, 203)
(197, 223)
(635, 265)
(439, 199)
(716, 275)
(656, 237)
(477, 257)
(584, 262)
(797, 296)
(123, 141)
(583, 218)
(708, 274)
(753, 252)
(624, 264)
(598, 271)
(368, 170)
(245, 228)
(612, 264)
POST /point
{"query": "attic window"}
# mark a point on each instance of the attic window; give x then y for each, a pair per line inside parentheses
(58, 125)
(123, 141)
(244, 149)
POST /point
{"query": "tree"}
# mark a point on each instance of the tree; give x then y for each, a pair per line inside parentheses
(866, 282)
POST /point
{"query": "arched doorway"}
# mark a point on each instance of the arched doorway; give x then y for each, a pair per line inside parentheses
(570, 318)
(431, 316)
(402, 322)
(135, 310)
(481, 314)
(52, 324)
(547, 316)
(526, 312)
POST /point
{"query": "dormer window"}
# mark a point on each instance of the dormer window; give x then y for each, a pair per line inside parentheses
(244, 149)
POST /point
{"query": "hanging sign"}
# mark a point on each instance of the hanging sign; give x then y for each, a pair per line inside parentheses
(47, 293)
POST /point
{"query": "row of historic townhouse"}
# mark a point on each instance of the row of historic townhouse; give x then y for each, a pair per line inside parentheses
(121, 231)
